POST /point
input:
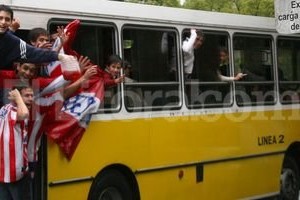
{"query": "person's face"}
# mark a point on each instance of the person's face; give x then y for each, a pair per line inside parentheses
(27, 96)
(5, 21)
(53, 38)
(198, 42)
(114, 69)
(127, 71)
(42, 41)
(26, 71)
(223, 57)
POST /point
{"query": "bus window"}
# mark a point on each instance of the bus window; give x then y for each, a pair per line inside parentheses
(205, 88)
(253, 56)
(154, 81)
(288, 60)
(97, 41)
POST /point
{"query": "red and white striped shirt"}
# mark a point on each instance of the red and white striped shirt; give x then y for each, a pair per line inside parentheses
(13, 142)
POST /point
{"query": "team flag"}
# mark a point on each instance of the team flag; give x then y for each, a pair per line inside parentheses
(67, 126)
(72, 120)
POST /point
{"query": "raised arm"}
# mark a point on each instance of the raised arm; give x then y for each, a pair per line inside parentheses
(188, 45)
(73, 87)
(231, 78)
(15, 25)
(63, 38)
(22, 110)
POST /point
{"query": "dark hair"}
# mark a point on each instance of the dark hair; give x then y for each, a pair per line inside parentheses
(37, 69)
(35, 33)
(223, 49)
(7, 9)
(126, 64)
(21, 86)
(200, 33)
(187, 34)
(113, 59)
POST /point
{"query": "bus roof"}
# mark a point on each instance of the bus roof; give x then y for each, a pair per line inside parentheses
(125, 10)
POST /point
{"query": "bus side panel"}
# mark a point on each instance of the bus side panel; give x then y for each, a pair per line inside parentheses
(225, 180)
(229, 151)
(75, 191)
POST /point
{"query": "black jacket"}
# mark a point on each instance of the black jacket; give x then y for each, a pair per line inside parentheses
(13, 49)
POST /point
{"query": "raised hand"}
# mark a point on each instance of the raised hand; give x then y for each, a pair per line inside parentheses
(15, 25)
(84, 63)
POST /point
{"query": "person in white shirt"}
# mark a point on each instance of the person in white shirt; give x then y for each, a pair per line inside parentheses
(223, 71)
(195, 41)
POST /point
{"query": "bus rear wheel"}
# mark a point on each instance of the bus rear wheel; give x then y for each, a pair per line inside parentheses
(290, 183)
(111, 185)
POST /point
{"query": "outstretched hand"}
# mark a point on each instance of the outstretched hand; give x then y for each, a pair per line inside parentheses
(62, 35)
(239, 76)
(14, 95)
(120, 79)
(90, 71)
(15, 25)
(84, 63)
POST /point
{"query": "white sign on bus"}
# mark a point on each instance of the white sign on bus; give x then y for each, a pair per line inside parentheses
(287, 16)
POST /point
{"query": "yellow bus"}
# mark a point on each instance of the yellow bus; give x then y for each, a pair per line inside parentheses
(158, 137)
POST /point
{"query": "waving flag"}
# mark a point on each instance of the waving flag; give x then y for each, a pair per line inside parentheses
(70, 123)
(54, 68)
(71, 31)
(64, 121)
(67, 126)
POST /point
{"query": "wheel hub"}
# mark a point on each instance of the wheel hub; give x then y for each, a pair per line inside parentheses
(288, 183)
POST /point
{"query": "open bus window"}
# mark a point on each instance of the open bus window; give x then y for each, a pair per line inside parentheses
(205, 88)
(97, 41)
(154, 82)
(253, 56)
(288, 59)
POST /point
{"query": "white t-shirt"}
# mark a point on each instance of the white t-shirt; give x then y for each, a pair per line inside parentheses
(188, 52)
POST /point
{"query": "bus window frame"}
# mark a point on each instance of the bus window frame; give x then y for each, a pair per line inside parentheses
(138, 84)
(227, 39)
(115, 49)
(273, 68)
(286, 82)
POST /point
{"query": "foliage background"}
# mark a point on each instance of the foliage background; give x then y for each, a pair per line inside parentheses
(246, 7)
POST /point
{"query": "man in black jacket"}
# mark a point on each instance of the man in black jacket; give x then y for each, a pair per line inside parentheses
(14, 49)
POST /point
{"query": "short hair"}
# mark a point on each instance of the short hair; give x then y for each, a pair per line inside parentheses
(7, 9)
(22, 63)
(223, 49)
(113, 59)
(35, 33)
(21, 86)
(200, 33)
(126, 64)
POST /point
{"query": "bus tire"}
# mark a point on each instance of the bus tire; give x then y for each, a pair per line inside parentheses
(290, 180)
(112, 185)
